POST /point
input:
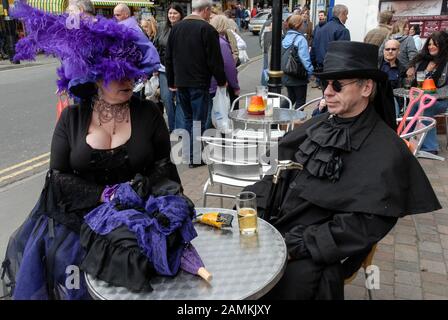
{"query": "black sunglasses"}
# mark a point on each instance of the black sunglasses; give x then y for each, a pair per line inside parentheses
(337, 86)
(391, 49)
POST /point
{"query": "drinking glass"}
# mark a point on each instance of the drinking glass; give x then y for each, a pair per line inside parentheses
(420, 78)
(246, 205)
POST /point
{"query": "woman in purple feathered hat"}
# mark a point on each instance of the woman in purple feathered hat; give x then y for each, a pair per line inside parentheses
(110, 139)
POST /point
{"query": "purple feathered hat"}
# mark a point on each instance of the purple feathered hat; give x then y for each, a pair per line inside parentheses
(90, 49)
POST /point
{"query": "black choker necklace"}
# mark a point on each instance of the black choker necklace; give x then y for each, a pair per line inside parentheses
(108, 112)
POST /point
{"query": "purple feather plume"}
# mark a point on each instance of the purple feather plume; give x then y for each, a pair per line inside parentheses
(99, 49)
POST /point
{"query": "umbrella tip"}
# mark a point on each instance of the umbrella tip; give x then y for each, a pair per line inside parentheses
(204, 274)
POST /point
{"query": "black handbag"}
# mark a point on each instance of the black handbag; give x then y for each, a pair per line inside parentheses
(291, 63)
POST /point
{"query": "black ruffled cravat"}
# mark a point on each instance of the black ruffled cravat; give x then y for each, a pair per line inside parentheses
(320, 153)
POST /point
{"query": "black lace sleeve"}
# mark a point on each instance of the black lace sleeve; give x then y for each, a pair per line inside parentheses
(74, 192)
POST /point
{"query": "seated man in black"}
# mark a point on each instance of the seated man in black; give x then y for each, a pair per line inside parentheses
(358, 178)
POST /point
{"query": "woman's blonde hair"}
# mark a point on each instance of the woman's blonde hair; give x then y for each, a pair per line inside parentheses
(399, 26)
(294, 22)
(152, 26)
(220, 23)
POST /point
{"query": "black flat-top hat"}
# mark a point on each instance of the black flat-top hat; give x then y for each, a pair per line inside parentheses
(350, 59)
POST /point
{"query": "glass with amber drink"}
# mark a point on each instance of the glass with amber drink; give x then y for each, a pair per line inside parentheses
(420, 77)
(246, 205)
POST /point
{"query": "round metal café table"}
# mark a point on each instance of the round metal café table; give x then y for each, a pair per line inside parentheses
(440, 94)
(243, 267)
(279, 116)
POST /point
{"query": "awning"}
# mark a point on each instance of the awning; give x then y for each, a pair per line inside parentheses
(129, 3)
(53, 6)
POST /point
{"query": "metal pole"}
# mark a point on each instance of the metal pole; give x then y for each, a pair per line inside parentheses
(275, 73)
(10, 26)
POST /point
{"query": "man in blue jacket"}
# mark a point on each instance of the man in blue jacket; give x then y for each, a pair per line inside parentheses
(333, 30)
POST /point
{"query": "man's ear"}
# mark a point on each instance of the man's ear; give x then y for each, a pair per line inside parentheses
(367, 88)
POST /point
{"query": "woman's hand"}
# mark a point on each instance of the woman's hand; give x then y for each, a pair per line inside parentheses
(411, 72)
(431, 66)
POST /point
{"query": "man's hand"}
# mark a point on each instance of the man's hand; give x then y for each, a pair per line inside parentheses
(322, 104)
(237, 92)
(172, 89)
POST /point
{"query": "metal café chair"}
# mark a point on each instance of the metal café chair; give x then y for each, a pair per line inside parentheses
(231, 162)
(312, 102)
(416, 137)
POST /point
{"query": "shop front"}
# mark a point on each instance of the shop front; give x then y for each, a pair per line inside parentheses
(430, 15)
(138, 8)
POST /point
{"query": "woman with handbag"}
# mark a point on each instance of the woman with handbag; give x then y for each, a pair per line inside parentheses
(220, 23)
(296, 63)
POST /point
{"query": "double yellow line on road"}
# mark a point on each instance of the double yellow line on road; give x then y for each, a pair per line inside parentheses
(23, 167)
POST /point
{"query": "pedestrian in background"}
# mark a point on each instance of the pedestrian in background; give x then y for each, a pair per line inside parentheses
(307, 27)
(190, 74)
(219, 22)
(414, 31)
(149, 27)
(322, 21)
(254, 12)
(174, 14)
(296, 88)
(239, 17)
(377, 35)
(408, 51)
(333, 30)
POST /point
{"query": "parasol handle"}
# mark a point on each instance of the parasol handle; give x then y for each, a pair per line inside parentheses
(204, 274)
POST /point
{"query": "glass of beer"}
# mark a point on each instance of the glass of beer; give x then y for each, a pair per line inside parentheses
(420, 78)
(246, 205)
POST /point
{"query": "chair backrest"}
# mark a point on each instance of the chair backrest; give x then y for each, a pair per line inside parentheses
(244, 100)
(416, 137)
(313, 102)
(237, 159)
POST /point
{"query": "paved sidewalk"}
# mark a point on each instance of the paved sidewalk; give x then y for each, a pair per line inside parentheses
(413, 258)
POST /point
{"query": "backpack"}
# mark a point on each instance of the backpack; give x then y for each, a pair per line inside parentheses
(291, 63)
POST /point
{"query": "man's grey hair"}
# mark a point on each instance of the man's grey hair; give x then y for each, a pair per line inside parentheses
(86, 6)
(339, 9)
(201, 4)
(123, 8)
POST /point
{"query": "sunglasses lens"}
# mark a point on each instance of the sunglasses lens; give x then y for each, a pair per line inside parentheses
(337, 86)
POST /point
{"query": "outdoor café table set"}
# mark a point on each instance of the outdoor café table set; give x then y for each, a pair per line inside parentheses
(242, 266)
(263, 108)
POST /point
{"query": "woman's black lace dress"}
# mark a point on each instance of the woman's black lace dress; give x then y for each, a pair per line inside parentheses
(74, 184)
